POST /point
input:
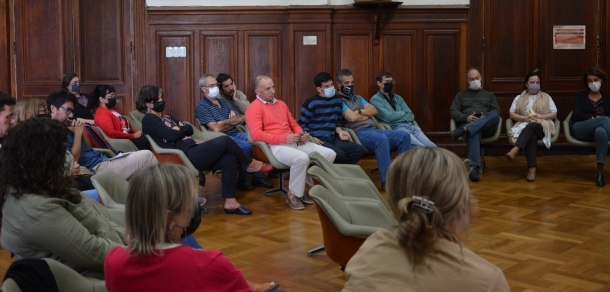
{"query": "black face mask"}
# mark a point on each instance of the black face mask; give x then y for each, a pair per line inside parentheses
(111, 102)
(348, 90)
(44, 116)
(387, 87)
(159, 106)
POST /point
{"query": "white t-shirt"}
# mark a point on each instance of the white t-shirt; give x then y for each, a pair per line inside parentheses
(530, 104)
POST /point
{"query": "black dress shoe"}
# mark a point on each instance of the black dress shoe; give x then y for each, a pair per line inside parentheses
(599, 180)
(457, 133)
(383, 186)
(260, 182)
(474, 173)
(245, 185)
(241, 210)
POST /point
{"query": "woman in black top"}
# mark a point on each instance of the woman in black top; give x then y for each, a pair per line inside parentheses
(221, 153)
(591, 117)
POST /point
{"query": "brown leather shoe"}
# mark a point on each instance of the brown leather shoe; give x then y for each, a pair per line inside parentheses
(295, 203)
(531, 174)
(511, 154)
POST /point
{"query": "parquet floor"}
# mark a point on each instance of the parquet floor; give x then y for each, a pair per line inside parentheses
(550, 235)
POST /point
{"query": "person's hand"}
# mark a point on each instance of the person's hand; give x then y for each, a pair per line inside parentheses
(77, 127)
(305, 137)
(343, 135)
(75, 169)
(235, 95)
(531, 118)
(472, 118)
(318, 141)
(232, 114)
(292, 138)
(176, 128)
(137, 134)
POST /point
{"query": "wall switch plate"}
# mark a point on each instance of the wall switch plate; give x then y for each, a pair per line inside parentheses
(182, 51)
(169, 52)
(310, 40)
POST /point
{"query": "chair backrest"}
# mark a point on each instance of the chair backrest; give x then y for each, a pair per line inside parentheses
(319, 160)
(111, 188)
(176, 156)
(137, 116)
(9, 285)
(262, 152)
(203, 135)
(122, 145)
(134, 125)
(68, 279)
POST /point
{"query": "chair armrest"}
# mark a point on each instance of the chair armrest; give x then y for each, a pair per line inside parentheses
(107, 152)
(352, 135)
(175, 152)
(121, 145)
(509, 125)
(241, 128)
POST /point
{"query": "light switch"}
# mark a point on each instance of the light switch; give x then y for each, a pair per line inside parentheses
(169, 52)
(176, 51)
(182, 51)
(310, 40)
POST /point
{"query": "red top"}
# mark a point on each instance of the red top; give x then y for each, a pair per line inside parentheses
(270, 122)
(110, 124)
(180, 268)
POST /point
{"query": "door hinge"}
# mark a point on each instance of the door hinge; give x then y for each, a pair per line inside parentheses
(483, 46)
(131, 48)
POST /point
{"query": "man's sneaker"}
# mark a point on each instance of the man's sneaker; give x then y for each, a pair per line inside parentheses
(474, 173)
(457, 133)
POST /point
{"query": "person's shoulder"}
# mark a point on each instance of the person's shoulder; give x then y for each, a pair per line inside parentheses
(582, 94)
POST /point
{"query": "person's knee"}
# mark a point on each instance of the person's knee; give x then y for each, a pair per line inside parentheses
(601, 134)
(148, 157)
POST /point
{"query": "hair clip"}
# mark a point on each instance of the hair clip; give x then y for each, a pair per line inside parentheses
(423, 204)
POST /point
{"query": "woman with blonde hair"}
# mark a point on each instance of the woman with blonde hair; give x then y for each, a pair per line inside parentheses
(30, 108)
(160, 203)
(428, 194)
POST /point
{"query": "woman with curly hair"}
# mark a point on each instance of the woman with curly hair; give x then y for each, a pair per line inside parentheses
(42, 214)
(429, 196)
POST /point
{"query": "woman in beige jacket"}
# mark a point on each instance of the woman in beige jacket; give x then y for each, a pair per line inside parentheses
(429, 196)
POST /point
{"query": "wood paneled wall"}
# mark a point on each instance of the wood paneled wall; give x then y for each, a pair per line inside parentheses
(424, 48)
(5, 47)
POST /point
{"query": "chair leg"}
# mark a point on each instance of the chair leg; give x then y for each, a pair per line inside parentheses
(482, 159)
(280, 188)
(315, 250)
(374, 170)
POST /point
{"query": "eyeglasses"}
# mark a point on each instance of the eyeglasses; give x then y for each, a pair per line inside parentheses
(390, 81)
(213, 85)
(68, 110)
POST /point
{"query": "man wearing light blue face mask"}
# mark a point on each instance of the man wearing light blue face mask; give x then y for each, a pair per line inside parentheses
(321, 117)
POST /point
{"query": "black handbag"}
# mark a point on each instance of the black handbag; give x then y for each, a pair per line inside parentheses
(195, 222)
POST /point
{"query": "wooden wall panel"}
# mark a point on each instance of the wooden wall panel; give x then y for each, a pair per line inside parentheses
(509, 53)
(43, 30)
(309, 61)
(104, 47)
(397, 56)
(176, 76)
(218, 51)
(353, 52)
(441, 66)
(263, 57)
(5, 51)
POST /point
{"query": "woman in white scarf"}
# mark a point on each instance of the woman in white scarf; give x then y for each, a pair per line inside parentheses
(534, 114)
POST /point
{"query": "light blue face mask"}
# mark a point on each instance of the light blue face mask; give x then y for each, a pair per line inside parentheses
(329, 92)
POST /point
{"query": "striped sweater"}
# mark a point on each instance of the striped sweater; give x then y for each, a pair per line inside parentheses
(320, 116)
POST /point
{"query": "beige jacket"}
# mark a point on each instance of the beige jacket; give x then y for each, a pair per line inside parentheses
(381, 265)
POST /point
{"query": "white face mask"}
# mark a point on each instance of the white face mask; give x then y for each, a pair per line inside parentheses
(595, 86)
(475, 84)
(214, 92)
(533, 88)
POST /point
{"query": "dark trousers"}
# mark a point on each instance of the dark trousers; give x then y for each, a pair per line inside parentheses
(348, 152)
(528, 140)
(141, 143)
(220, 153)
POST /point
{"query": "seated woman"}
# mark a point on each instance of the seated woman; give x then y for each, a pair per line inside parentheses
(72, 83)
(42, 215)
(591, 117)
(221, 153)
(30, 108)
(534, 111)
(154, 259)
(112, 122)
(429, 196)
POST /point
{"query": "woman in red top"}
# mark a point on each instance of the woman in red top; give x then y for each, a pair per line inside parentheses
(112, 122)
(159, 207)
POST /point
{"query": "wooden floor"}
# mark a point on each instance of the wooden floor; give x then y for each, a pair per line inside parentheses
(550, 235)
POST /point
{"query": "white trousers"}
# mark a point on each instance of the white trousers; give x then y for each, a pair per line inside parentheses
(126, 166)
(297, 158)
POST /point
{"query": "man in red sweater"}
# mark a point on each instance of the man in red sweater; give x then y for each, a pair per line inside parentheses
(270, 121)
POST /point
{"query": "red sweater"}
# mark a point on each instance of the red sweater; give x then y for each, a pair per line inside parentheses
(110, 124)
(180, 268)
(270, 123)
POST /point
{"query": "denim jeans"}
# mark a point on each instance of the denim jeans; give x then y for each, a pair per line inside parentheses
(382, 142)
(597, 130)
(418, 138)
(482, 127)
(242, 140)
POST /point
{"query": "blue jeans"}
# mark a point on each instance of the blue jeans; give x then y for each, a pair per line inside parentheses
(242, 141)
(597, 130)
(482, 127)
(418, 138)
(382, 142)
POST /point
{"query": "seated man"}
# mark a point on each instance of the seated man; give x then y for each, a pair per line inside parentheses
(477, 114)
(270, 121)
(237, 99)
(7, 118)
(61, 105)
(217, 115)
(358, 114)
(321, 117)
(392, 110)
